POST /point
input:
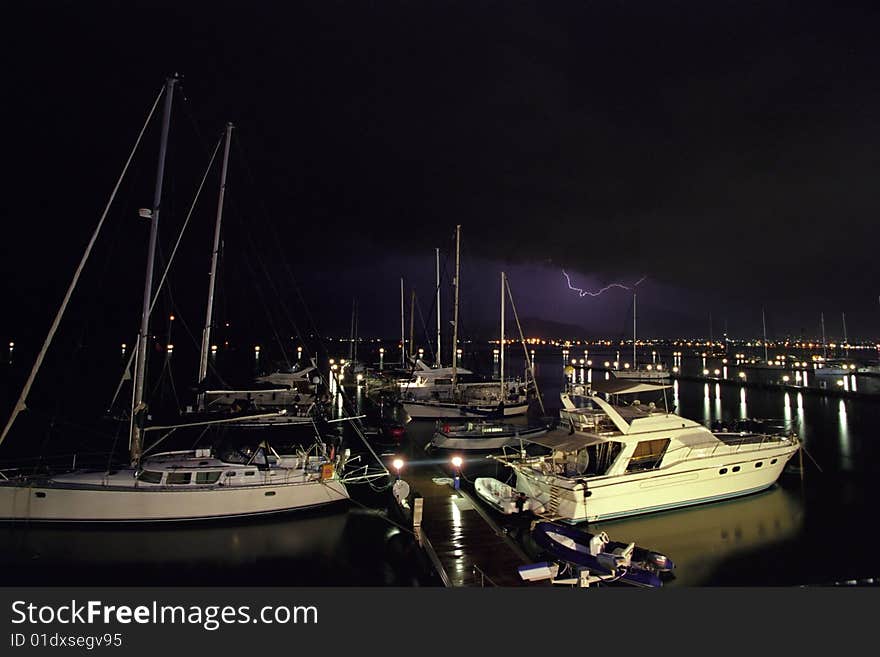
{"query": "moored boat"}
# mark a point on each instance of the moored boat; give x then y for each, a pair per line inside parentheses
(482, 435)
(623, 562)
(505, 498)
(628, 458)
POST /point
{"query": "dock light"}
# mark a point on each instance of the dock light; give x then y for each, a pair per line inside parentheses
(590, 363)
(332, 360)
(124, 346)
(381, 350)
(607, 364)
(852, 367)
(12, 344)
(456, 482)
(742, 375)
(675, 370)
(705, 372)
(213, 349)
(724, 360)
(574, 361)
(785, 378)
(616, 364)
(359, 377)
(659, 367)
(649, 367)
(458, 351)
(257, 348)
(581, 361)
(421, 352)
(626, 366)
(334, 367)
(171, 318)
(717, 372)
(170, 347)
(342, 361)
(397, 464)
(840, 382)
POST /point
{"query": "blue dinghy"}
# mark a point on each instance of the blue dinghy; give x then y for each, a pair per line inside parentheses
(619, 561)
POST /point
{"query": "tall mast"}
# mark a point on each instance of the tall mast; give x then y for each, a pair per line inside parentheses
(412, 317)
(455, 309)
(764, 324)
(437, 359)
(845, 339)
(634, 331)
(354, 355)
(351, 334)
(402, 329)
(503, 285)
(138, 409)
(822, 320)
(212, 277)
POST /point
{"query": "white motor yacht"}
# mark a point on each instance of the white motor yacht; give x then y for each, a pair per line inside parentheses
(621, 459)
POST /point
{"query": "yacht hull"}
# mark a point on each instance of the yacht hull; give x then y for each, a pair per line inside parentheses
(605, 498)
(50, 502)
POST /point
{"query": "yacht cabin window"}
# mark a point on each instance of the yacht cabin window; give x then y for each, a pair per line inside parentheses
(647, 455)
(150, 477)
(178, 478)
(207, 477)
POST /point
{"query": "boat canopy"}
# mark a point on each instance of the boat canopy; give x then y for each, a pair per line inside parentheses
(563, 441)
(623, 387)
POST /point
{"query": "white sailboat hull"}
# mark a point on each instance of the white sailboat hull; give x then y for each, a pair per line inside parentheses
(439, 410)
(60, 503)
(684, 484)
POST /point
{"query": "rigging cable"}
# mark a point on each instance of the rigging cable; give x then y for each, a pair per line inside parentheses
(20, 404)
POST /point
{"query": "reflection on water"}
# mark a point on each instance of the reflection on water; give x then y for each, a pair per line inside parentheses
(321, 548)
(699, 538)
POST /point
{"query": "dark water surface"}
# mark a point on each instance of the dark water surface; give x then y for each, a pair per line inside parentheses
(810, 529)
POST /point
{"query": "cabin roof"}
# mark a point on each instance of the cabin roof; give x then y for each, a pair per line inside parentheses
(565, 441)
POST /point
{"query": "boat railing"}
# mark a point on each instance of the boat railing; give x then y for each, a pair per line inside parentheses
(732, 445)
(477, 571)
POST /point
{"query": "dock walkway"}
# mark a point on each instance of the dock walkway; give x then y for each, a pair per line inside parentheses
(464, 543)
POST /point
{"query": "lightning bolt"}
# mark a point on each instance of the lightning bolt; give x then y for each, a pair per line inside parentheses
(587, 293)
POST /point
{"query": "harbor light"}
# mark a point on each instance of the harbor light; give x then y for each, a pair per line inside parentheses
(675, 370)
(574, 361)
(648, 367)
(381, 350)
(626, 366)
(705, 372)
(581, 361)
(785, 378)
(607, 364)
(397, 464)
(170, 348)
(456, 461)
(742, 375)
(717, 372)
(590, 363)
(257, 349)
(360, 377)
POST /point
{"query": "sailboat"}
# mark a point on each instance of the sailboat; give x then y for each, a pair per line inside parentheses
(451, 398)
(651, 372)
(282, 397)
(223, 481)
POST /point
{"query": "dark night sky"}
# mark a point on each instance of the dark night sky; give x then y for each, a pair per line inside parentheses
(728, 151)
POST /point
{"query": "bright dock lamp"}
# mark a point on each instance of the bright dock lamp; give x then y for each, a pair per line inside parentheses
(456, 481)
(397, 464)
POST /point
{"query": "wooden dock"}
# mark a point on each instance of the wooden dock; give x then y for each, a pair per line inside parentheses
(463, 542)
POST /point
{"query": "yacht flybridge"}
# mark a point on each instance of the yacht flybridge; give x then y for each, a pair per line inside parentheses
(627, 457)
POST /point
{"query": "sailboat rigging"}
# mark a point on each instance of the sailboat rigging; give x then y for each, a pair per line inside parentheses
(223, 481)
